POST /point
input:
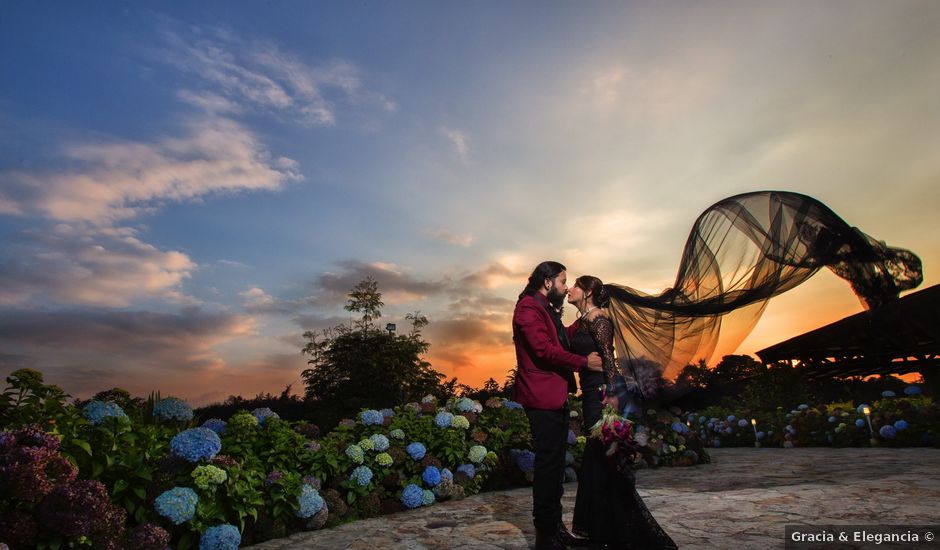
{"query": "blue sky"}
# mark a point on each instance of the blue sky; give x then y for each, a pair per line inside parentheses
(186, 187)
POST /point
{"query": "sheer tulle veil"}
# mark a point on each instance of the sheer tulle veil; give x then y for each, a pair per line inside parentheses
(741, 252)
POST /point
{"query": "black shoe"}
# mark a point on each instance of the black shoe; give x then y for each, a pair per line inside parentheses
(548, 540)
(571, 540)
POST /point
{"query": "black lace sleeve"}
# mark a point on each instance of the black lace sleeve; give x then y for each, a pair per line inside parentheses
(602, 330)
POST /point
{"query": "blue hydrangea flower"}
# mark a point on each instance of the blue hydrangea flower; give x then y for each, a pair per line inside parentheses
(860, 423)
(572, 438)
(468, 470)
(355, 453)
(728, 431)
(177, 505)
(220, 537)
(431, 476)
(888, 431)
(701, 420)
(415, 450)
(732, 418)
(372, 418)
(477, 454)
(310, 502)
(465, 405)
(387, 413)
(427, 497)
(887, 393)
(512, 405)
(525, 460)
(742, 423)
(262, 414)
(912, 390)
(900, 425)
(569, 458)
(678, 427)
(379, 442)
(362, 475)
(97, 411)
(411, 496)
(174, 409)
(760, 436)
(397, 434)
(447, 474)
(832, 419)
(803, 407)
(196, 444)
(443, 419)
(861, 408)
(217, 425)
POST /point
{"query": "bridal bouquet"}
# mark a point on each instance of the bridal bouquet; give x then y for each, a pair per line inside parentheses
(615, 432)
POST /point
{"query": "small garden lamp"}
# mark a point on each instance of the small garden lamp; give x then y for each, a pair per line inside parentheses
(871, 431)
(754, 425)
(390, 327)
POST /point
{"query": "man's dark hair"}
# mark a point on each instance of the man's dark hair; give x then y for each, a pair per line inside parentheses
(545, 270)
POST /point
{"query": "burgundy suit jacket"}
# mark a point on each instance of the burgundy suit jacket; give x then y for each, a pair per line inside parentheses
(545, 367)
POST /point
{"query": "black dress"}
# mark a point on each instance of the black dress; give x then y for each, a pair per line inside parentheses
(607, 508)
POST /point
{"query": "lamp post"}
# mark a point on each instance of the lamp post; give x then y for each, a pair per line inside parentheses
(754, 425)
(390, 327)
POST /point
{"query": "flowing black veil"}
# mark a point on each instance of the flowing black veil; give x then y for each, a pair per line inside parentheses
(741, 252)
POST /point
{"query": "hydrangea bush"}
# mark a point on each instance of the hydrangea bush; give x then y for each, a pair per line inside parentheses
(254, 476)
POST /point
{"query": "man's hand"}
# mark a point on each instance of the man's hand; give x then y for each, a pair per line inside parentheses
(595, 362)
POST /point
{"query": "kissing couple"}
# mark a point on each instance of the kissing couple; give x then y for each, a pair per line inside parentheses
(608, 511)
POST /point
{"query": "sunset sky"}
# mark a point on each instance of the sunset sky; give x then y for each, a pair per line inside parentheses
(186, 187)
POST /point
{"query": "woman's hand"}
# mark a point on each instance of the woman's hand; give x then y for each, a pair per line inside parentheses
(612, 401)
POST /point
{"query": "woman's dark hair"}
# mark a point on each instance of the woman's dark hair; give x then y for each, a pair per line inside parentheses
(595, 287)
(545, 270)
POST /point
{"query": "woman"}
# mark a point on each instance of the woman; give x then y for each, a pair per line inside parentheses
(607, 509)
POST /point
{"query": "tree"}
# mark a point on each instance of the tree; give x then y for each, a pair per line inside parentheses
(355, 368)
(366, 299)
(695, 376)
(736, 367)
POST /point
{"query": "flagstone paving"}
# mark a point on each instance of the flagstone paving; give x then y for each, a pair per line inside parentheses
(741, 500)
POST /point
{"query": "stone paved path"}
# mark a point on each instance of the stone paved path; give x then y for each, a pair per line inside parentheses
(741, 501)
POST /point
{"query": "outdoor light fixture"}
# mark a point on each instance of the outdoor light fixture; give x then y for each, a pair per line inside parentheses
(754, 425)
(871, 431)
(390, 328)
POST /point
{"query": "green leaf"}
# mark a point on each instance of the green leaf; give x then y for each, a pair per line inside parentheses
(84, 445)
(140, 492)
(119, 486)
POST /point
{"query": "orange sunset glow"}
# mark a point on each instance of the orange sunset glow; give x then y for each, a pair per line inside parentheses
(185, 192)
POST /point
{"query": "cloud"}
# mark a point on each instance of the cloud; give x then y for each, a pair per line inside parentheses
(460, 141)
(260, 76)
(449, 237)
(83, 265)
(88, 351)
(117, 181)
(396, 284)
(209, 102)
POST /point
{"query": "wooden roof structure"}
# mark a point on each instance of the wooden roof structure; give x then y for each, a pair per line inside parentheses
(899, 338)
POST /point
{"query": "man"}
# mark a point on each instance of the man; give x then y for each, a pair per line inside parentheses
(544, 377)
